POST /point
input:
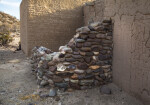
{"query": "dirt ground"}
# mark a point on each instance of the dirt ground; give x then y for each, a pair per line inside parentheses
(18, 85)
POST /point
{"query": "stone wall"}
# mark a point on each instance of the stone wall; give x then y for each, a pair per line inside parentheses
(131, 59)
(49, 23)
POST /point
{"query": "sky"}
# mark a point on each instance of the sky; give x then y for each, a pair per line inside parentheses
(11, 7)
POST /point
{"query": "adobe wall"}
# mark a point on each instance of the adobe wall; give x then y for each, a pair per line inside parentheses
(50, 23)
(131, 55)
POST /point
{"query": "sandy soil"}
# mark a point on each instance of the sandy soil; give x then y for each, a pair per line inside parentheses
(18, 85)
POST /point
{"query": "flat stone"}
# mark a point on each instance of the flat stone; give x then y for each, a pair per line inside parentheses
(104, 57)
(103, 52)
(94, 67)
(71, 67)
(51, 63)
(87, 44)
(85, 37)
(79, 45)
(101, 36)
(92, 36)
(89, 71)
(70, 60)
(95, 58)
(44, 83)
(61, 67)
(77, 56)
(82, 53)
(52, 92)
(74, 76)
(89, 76)
(105, 90)
(61, 85)
(80, 40)
(74, 81)
(61, 55)
(76, 53)
(80, 77)
(82, 66)
(98, 78)
(79, 71)
(53, 68)
(100, 70)
(106, 66)
(96, 53)
(68, 55)
(88, 53)
(57, 79)
(50, 82)
(86, 49)
(87, 59)
(107, 41)
(109, 34)
(66, 63)
(83, 30)
(86, 82)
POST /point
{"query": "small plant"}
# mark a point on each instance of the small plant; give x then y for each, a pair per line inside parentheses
(5, 38)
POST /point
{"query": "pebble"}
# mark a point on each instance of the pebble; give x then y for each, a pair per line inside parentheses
(82, 66)
(52, 92)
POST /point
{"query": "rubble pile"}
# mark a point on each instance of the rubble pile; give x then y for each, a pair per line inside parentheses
(83, 63)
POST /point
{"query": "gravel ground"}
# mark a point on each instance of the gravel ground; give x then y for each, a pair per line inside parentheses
(17, 85)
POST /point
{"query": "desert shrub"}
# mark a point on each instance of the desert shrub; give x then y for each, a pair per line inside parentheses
(5, 38)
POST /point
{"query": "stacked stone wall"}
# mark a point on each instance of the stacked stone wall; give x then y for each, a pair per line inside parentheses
(83, 63)
(131, 63)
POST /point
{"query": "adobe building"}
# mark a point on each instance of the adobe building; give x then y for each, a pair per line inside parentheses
(51, 23)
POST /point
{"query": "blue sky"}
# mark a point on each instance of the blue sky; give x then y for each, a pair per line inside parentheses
(11, 7)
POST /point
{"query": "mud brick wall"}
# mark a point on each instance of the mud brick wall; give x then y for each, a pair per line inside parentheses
(131, 59)
(50, 23)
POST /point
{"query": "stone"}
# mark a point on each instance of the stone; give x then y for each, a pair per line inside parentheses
(89, 76)
(83, 30)
(68, 55)
(95, 24)
(104, 57)
(103, 52)
(100, 70)
(105, 90)
(61, 85)
(80, 40)
(95, 58)
(91, 28)
(107, 21)
(86, 82)
(106, 66)
(87, 44)
(82, 66)
(71, 67)
(74, 81)
(109, 37)
(51, 63)
(57, 98)
(74, 76)
(96, 53)
(102, 76)
(61, 55)
(70, 60)
(79, 45)
(93, 36)
(85, 87)
(52, 92)
(53, 68)
(80, 77)
(87, 59)
(94, 67)
(98, 78)
(86, 49)
(50, 82)
(109, 34)
(88, 54)
(57, 79)
(82, 53)
(101, 63)
(89, 71)
(76, 53)
(96, 48)
(79, 71)
(44, 83)
(77, 56)
(85, 37)
(66, 63)
(107, 41)
(61, 67)
(101, 36)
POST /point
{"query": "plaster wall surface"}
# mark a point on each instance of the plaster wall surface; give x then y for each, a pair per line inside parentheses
(131, 55)
(49, 23)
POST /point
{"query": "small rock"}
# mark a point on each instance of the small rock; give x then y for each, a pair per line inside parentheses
(52, 92)
(70, 60)
(86, 49)
(61, 85)
(80, 40)
(82, 66)
(77, 56)
(94, 67)
(44, 83)
(79, 71)
(53, 68)
(57, 79)
(105, 90)
(71, 67)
